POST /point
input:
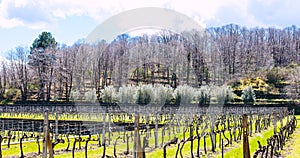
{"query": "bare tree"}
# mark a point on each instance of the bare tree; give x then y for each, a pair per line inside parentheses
(98, 66)
(3, 79)
(293, 89)
(42, 59)
(19, 68)
(65, 71)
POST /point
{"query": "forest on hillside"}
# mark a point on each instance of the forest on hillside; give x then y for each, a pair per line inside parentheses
(48, 71)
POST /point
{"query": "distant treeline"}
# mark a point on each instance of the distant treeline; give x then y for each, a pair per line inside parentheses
(48, 71)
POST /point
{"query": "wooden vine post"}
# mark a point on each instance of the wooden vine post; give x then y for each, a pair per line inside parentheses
(47, 144)
(1, 138)
(45, 134)
(246, 149)
(137, 140)
(156, 131)
(56, 126)
(276, 115)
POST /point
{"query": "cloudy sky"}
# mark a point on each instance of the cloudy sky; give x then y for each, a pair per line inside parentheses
(21, 21)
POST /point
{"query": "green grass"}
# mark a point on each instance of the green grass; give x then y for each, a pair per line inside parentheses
(237, 151)
(291, 150)
(234, 150)
(262, 137)
(31, 147)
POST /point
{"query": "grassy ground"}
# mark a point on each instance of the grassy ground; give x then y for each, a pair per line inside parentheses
(238, 150)
(291, 149)
(234, 150)
(95, 151)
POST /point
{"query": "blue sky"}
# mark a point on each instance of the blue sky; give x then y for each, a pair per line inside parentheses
(21, 21)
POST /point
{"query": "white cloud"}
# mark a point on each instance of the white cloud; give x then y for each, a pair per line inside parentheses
(39, 14)
(24, 13)
(98, 10)
(236, 12)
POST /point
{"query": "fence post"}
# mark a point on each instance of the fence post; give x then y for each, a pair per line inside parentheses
(246, 149)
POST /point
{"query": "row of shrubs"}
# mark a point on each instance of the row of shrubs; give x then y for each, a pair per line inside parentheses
(161, 95)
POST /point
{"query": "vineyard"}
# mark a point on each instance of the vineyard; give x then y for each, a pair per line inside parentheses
(145, 131)
(160, 81)
(217, 92)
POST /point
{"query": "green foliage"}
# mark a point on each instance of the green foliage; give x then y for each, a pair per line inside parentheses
(12, 94)
(184, 94)
(203, 95)
(109, 94)
(293, 88)
(224, 95)
(274, 76)
(261, 88)
(257, 84)
(74, 95)
(127, 94)
(248, 95)
(42, 58)
(161, 94)
(45, 40)
(91, 96)
(144, 94)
